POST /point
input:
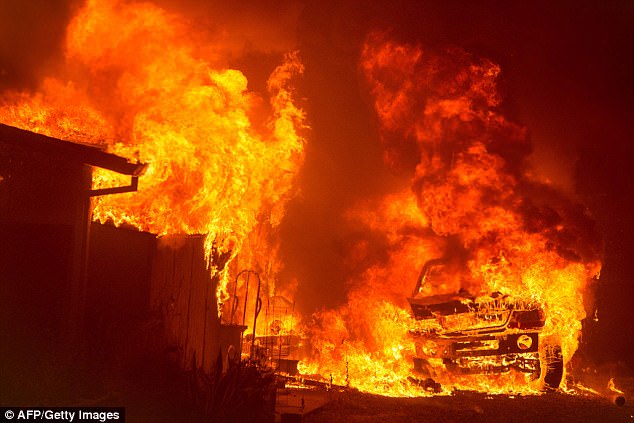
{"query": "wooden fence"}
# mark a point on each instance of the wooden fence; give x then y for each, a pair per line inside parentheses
(184, 295)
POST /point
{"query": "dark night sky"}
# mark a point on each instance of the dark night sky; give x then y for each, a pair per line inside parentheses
(567, 72)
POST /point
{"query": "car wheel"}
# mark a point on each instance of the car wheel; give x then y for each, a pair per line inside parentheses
(552, 366)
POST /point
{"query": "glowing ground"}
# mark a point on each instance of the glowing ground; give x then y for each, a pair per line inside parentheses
(352, 407)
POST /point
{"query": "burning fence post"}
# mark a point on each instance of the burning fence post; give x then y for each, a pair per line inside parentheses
(256, 312)
(257, 307)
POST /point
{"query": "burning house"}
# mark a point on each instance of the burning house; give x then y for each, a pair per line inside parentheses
(45, 197)
(80, 292)
(151, 271)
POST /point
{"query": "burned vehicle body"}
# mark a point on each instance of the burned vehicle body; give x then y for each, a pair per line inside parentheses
(476, 335)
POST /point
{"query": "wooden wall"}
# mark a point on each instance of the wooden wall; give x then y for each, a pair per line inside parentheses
(43, 227)
(118, 295)
(151, 294)
(184, 295)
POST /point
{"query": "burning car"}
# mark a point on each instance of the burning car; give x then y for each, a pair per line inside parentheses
(465, 334)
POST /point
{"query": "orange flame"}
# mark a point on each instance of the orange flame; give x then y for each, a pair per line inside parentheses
(140, 83)
(612, 387)
(440, 120)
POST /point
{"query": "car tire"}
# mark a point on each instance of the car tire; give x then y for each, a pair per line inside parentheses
(552, 366)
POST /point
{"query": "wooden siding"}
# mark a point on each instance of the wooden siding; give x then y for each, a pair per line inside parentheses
(183, 294)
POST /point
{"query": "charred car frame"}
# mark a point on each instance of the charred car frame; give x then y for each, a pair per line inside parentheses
(476, 335)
